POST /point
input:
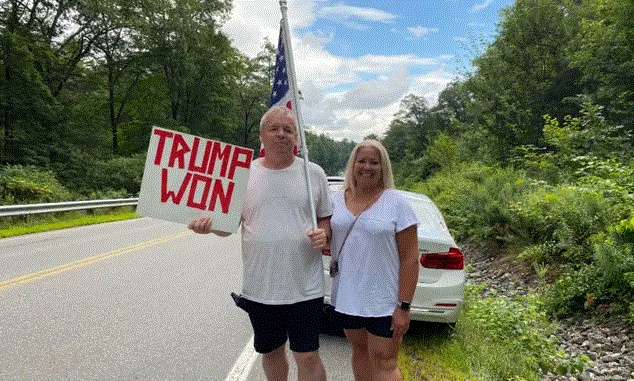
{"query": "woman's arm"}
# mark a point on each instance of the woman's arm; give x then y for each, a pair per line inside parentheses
(407, 245)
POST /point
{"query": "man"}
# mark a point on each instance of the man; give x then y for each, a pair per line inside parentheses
(283, 283)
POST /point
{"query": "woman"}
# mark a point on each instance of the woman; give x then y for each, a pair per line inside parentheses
(377, 262)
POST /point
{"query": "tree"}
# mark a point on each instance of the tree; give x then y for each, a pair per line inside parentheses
(605, 55)
(196, 59)
(251, 95)
(525, 73)
(115, 52)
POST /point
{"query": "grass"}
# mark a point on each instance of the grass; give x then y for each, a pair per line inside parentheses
(495, 339)
(425, 354)
(15, 226)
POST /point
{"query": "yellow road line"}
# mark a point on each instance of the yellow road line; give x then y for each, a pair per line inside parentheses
(86, 261)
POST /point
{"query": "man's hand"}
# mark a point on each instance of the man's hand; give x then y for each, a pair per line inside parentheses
(201, 226)
(319, 238)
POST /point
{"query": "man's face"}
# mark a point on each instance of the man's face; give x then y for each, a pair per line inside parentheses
(279, 135)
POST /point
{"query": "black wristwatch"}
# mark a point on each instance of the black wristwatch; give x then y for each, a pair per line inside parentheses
(405, 306)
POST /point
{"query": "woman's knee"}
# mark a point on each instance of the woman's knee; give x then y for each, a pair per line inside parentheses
(384, 361)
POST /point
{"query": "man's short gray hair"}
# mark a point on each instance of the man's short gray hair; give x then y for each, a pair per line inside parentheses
(275, 111)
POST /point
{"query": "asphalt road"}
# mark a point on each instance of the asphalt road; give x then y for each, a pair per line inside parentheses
(140, 299)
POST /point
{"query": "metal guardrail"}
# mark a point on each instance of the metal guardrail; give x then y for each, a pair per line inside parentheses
(17, 210)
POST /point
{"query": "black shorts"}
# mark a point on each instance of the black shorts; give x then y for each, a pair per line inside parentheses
(378, 326)
(274, 324)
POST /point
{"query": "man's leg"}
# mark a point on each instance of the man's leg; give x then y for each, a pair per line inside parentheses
(275, 364)
(304, 322)
(309, 366)
(269, 330)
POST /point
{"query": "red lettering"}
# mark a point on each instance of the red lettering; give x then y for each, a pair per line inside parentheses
(219, 194)
(237, 162)
(192, 159)
(192, 191)
(165, 194)
(179, 149)
(161, 144)
(218, 154)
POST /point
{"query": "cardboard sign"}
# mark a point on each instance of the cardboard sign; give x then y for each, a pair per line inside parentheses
(187, 177)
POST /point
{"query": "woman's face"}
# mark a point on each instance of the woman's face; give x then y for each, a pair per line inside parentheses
(367, 168)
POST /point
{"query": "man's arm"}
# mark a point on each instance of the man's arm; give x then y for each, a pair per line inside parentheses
(320, 236)
(203, 226)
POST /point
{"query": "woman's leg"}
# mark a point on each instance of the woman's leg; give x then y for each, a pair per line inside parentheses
(360, 360)
(383, 355)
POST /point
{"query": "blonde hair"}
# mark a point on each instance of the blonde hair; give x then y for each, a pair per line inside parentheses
(386, 165)
(277, 111)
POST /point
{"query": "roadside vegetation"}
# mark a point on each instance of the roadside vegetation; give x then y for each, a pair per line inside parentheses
(532, 151)
(11, 227)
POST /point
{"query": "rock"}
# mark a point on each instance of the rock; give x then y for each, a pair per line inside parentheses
(606, 342)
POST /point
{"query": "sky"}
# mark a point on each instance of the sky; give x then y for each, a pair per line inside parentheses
(355, 60)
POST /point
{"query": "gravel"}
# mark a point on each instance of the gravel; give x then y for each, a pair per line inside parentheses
(607, 340)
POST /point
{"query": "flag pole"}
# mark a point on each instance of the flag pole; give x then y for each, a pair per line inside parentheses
(298, 115)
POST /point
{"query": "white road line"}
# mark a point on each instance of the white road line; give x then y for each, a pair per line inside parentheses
(243, 365)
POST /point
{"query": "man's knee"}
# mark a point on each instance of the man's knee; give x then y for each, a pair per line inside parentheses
(277, 354)
(307, 360)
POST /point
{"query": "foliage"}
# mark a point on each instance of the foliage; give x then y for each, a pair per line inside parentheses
(29, 185)
(441, 154)
(330, 155)
(606, 283)
(121, 173)
(604, 53)
(48, 222)
(475, 199)
(509, 339)
(524, 74)
(556, 224)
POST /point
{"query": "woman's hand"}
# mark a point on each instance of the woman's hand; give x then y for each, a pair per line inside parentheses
(400, 322)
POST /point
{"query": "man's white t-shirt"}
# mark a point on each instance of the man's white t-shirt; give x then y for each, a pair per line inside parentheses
(367, 283)
(280, 265)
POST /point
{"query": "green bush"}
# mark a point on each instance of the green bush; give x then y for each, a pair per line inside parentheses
(556, 223)
(121, 173)
(475, 198)
(30, 185)
(511, 338)
(87, 176)
(608, 280)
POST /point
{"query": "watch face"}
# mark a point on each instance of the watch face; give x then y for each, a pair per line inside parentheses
(405, 306)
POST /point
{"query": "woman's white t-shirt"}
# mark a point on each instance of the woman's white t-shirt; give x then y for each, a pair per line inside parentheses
(367, 283)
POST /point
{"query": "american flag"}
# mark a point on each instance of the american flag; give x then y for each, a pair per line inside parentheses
(280, 94)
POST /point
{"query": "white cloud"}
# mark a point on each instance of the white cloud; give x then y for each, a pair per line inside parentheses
(341, 11)
(379, 93)
(344, 97)
(420, 31)
(431, 84)
(251, 21)
(478, 7)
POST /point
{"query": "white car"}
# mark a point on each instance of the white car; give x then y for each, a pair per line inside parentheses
(441, 277)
